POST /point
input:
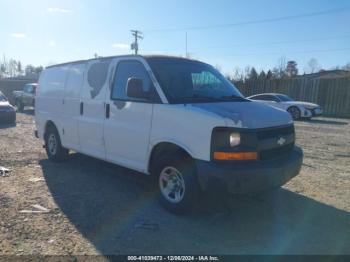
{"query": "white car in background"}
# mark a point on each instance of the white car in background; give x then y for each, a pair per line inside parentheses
(297, 109)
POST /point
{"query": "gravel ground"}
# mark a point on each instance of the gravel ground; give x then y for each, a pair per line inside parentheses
(87, 206)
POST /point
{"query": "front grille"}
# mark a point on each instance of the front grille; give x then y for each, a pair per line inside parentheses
(276, 152)
(269, 138)
(275, 132)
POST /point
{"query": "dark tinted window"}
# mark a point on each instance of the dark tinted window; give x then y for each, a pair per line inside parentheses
(126, 70)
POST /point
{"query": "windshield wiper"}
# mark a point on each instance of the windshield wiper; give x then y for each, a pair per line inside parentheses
(196, 96)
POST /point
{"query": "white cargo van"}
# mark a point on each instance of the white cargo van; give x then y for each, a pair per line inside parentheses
(177, 120)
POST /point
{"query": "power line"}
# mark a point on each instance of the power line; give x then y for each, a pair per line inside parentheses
(250, 22)
(295, 52)
(282, 42)
(272, 43)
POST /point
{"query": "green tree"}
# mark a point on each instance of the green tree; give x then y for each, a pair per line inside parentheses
(291, 69)
(19, 68)
(262, 75)
(253, 75)
(269, 75)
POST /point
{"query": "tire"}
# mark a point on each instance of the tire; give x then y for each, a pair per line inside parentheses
(294, 112)
(177, 183)
(53, 146)
(20, 106)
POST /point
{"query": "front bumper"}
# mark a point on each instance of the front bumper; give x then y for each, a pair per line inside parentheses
(249, 176)
(316, 112)
(312, 112)
(8, 117)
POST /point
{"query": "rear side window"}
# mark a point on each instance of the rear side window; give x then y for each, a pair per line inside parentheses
(74, 80)
(126, 70)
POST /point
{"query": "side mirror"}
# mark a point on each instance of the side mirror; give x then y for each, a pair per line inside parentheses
(134, 88)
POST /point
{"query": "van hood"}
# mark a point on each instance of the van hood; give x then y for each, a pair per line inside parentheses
(247, 114)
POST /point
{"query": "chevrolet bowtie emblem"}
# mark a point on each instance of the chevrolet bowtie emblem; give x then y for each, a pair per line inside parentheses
(281, 141)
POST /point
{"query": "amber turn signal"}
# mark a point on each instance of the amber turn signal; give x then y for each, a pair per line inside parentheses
(235, 155)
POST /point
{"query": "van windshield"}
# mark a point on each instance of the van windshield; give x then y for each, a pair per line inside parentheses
(187, 81)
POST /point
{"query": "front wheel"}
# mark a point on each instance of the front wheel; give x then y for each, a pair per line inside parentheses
(177, 182)
(53, 146)
(294, 112)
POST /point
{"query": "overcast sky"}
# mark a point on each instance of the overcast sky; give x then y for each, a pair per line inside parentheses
(226, 33)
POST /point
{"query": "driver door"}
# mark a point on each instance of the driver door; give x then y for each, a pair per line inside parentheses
(128, 120)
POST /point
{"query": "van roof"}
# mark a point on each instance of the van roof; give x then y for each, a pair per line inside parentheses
(125, 56)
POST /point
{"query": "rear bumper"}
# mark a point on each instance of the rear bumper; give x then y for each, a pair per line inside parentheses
(249, 176)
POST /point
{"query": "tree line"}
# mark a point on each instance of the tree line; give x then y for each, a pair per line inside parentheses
(283, 69)
(11, 68)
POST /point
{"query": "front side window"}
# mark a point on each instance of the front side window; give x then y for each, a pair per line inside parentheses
(126, 70)
(187, 81)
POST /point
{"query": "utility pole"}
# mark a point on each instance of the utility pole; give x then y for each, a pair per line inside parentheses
(186, 46)
(135, 45)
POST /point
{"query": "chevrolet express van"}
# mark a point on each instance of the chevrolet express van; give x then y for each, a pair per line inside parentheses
(175, 119)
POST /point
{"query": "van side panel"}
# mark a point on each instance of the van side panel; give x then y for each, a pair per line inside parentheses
(49, 99)
(91, 122)
(71, 107)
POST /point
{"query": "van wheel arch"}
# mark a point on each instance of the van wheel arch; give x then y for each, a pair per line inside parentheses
(49, 124)
(165, 148)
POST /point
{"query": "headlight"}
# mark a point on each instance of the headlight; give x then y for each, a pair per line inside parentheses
(310, 107)
(235, 139)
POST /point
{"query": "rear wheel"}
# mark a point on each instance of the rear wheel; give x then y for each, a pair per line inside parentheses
(177, 183)
(294, 112)
(53, 146)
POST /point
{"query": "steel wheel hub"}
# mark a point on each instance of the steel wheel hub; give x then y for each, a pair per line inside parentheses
(52, 144)
(172, 184)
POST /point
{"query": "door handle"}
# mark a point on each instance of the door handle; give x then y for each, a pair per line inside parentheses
(107, 110)
(81, 108)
